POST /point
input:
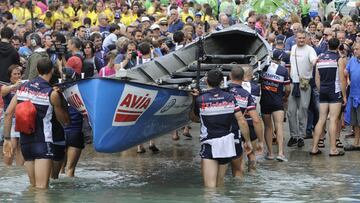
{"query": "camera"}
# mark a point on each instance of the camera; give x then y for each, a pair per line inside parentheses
(48, 14)
(60, 48)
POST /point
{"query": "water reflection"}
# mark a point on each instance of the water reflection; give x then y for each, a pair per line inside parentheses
(174, 176)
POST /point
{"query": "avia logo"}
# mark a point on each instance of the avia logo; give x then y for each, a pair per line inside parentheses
(133, 103)
(74, 98)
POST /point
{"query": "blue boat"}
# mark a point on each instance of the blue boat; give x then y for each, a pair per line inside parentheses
(125, 114)
(153, 99)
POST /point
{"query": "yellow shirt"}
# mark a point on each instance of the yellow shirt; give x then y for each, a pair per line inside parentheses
(80, 15)
(128, 19)
(19, 14)
(47, 21)
(93, 16)
(110, 14)
(27, 14)
(62, 16)
(185, 15)
(70, 11)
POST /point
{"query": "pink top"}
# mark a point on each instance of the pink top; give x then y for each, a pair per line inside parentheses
(42, 6)
(108, 71)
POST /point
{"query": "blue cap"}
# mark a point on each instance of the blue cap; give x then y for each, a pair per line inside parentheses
(198, 14)
(117, 16)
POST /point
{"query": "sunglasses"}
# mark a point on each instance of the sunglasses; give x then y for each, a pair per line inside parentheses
(251, 22)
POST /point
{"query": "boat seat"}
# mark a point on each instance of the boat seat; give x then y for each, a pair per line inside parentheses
(177, 81)
(171, 86)
(229, 56)
(207, 66)
(187, 74)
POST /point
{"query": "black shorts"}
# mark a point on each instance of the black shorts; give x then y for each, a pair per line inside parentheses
(330, 97)
(239, 149)
(39, 150)
(75, 139)
(253, 136)
(269, 109)
(59, 152)
(205, 153)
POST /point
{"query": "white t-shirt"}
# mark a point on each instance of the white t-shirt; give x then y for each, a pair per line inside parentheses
(314, 5)
(110, 39)
(306, 57)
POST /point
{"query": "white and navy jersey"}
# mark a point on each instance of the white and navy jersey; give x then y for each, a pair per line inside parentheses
(38, 92)
(216, 109)
(272, 85)
(254, 90)
(243, 99)
(327, 66)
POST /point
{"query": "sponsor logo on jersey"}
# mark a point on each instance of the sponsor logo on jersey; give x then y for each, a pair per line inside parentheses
(133, 103)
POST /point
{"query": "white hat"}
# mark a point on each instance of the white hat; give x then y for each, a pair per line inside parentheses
(154, 26)
(143, 19)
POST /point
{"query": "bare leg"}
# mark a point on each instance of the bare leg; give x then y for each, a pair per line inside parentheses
(140, 148)
(220, 175)
(237, 167)
(334, 120)
(268, 133)
(42, 172)
(30, 169)
(73, 155)
(56, 168)
(210, 172)
(18, 155)
(319, 128)
(278, 117)
(175, 135)
(357, 135)
(252, 163)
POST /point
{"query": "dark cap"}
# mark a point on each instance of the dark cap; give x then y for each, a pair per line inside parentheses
(280, 39)
(277, 54)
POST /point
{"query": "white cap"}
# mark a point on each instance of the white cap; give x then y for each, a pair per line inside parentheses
(154, 26)
(143, 19)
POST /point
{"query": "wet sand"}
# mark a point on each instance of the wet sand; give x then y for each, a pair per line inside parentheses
(173, 175)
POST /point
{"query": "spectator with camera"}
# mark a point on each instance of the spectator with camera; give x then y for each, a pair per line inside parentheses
(130, 57)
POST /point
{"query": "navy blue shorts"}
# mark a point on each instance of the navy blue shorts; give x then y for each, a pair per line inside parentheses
(205, 153)
(59, 152)
(74, 139)
(39, 150)
(269, 109)
(331, 97)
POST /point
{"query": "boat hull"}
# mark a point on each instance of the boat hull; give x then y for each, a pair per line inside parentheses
(123, 114)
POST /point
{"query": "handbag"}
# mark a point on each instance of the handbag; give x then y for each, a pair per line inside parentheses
(304, 82)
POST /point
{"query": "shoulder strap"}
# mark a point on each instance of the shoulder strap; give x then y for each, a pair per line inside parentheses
(296, 63)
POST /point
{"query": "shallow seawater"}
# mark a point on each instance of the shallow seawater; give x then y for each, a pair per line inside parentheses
(174, 176)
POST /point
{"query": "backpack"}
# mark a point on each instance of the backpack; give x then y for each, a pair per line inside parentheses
(25, 114)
